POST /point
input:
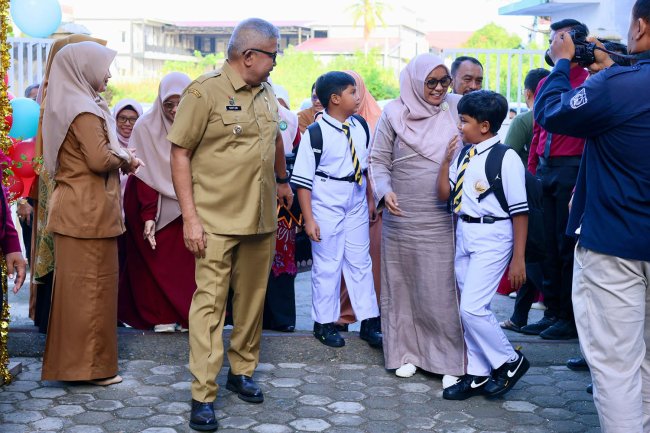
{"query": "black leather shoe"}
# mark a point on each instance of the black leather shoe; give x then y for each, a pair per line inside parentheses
(245, 387)
(202, 417)
(537, 327)
(371, 332)
(577, 364)
(327, 334)
(561, 330)
(287, 328)
(590, 388)
(341, 327)
(466, 387)
(506, 376)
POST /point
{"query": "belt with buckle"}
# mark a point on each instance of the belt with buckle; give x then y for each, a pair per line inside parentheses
(342, 179)
(487, 219)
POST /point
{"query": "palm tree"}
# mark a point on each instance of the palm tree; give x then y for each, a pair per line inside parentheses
(372, 12)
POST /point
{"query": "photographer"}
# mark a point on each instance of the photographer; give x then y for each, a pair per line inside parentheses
(612, 212)
(555, 158)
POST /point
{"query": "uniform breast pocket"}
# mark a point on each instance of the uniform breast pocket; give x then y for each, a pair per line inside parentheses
(236, 125)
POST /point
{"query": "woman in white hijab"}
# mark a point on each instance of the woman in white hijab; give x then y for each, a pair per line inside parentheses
(157, 279)
(81, 148)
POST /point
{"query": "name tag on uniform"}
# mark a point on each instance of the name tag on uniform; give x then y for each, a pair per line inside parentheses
(233, 107)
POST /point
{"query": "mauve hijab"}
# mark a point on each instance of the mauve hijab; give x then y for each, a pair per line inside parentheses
(425, 128)
(149, 138)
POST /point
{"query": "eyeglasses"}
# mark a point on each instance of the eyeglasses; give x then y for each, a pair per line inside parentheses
(433, 83)
(124, 119)
(272, 55)
(314, 97)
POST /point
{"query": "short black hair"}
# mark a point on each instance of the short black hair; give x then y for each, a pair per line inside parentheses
(330, 83)
(641, 9)
(456, 63)
(533, 77)
(485, 105)
(573, 24)
(619, 48)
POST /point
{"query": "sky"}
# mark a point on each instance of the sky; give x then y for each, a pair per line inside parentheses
(440, 14)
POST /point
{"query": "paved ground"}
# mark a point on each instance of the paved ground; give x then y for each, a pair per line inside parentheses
(308, 388)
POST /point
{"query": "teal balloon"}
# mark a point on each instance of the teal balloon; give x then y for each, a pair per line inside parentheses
(25, 112)
(37, 18)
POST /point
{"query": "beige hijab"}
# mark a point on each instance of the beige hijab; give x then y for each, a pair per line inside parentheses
(149, 138)
(42, 90)
(78, 71)
(423, 127)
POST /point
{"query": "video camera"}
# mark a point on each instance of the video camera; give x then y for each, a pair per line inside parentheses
(584, 55)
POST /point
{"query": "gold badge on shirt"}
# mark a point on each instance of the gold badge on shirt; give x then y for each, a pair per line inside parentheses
(237, 130)
(480, 187)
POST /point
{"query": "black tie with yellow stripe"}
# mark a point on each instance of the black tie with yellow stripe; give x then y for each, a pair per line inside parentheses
(355, 159)
(458, 190)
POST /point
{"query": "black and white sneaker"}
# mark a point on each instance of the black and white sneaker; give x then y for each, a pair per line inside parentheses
(506, 376)
(466, 387)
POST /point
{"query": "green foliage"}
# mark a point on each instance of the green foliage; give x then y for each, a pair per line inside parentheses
(202, 65)
(296, 71)
(142, 91)
(371, 12)
(147, 90)
(381, 82)
(494, 37)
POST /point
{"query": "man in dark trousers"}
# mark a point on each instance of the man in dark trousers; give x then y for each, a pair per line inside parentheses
(555, 158)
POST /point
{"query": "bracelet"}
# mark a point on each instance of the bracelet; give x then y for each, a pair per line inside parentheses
(282, 180)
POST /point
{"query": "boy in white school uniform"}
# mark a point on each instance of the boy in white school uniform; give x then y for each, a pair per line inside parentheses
(336, 202)
(487, 238)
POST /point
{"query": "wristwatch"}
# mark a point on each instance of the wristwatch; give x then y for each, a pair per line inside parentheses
(283, 179)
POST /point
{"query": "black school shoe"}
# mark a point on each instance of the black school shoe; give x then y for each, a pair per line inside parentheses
(202, 417)
(506, 376)
(577, 364)
(371, 332)
(327, 334)
(538, 327)
(245, 387)
(561, 330)
(466, 387)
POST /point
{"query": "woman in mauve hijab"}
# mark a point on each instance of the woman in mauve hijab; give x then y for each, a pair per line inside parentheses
(419, 301)
(81, 150)
(157, 279)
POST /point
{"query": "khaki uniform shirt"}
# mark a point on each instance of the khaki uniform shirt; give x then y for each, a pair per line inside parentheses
(232, 128)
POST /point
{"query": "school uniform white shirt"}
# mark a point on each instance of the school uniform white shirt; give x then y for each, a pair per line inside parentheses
(483, 252)
(341, 211)
(336, 159)
(475, 182)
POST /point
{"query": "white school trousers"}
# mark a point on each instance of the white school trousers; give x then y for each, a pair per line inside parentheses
(611, 302)
(341, 211)
(483, 252)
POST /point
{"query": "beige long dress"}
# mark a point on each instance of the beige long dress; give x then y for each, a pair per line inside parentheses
(419, 301)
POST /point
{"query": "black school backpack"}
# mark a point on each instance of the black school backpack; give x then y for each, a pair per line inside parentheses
(316, 137)
(535, 243)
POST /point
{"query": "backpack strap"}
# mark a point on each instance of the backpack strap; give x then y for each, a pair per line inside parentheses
(363, 123)
(316, 140)
(493, 165)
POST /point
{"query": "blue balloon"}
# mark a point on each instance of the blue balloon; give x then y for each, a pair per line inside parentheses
(37, 18)
(25, 112)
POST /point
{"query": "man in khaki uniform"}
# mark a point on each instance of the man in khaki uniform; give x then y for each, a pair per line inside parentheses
(226, 158)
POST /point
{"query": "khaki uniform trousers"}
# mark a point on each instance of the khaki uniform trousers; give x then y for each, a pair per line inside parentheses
(610, 298)
(243, 263)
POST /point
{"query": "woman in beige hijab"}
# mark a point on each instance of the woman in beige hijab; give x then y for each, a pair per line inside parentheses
(42, 263)
(81, 149)
(157, 280)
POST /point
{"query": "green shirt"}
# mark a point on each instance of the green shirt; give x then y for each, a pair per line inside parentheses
(520, 134)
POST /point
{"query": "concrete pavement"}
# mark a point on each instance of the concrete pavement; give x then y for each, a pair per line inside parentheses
(308, 388)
